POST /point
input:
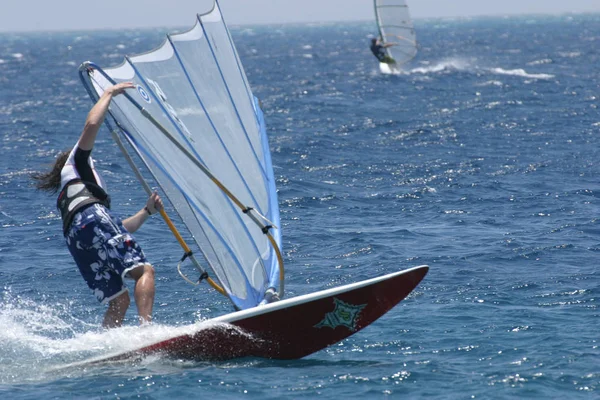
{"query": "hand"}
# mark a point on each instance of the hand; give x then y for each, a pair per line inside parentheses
(120, 88)
(154, 203)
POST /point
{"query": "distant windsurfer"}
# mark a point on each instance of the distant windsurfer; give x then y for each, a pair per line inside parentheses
(378, 49)
(99, 241)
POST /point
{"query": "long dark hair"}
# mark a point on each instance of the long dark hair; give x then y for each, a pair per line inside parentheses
(50, 181)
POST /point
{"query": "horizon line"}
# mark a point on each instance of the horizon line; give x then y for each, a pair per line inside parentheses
(324, 22)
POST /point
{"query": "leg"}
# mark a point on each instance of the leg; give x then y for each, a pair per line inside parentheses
(117, 308)
(144, 291)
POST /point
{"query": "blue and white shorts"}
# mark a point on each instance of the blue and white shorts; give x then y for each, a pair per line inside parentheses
(103, 250)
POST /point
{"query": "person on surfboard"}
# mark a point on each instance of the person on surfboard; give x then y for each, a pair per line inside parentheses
(99, 241)
(378, 50)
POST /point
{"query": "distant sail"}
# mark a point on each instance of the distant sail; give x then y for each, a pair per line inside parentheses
(199, 130)
(395, 26)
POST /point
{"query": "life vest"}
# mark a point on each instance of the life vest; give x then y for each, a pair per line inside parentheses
(77, 194)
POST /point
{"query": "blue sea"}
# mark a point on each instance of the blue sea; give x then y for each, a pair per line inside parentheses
(480, 159)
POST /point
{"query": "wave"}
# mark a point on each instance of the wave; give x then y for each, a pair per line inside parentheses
(453, 64)
(464, 65)
(519, 72)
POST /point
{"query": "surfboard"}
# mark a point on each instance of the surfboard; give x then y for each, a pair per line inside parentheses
(287, 329)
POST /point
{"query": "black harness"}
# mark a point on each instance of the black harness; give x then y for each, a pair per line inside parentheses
(77, 194)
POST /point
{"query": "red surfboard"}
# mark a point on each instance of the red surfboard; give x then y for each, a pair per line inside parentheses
(287, 329)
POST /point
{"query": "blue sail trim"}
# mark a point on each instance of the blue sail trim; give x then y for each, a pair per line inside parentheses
(273, 211)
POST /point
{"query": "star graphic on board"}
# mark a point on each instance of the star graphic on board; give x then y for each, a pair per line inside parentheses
(343, 314)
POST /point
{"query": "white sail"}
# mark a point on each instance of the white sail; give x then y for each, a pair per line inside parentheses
(197, 127)
(395, 26)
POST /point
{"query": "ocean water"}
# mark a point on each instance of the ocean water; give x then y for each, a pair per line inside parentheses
(480, 159)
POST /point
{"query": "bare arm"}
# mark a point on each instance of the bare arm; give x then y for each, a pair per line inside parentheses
(96, 115)
(153, 205)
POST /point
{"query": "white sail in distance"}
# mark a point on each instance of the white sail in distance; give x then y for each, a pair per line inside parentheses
(199, 130)
(395, 26)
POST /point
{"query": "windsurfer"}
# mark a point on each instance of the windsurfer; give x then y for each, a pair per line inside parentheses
(99, 241)
(378, 49)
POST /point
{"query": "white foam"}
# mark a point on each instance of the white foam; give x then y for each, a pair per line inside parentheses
(461, 64)
(455, 64)
(520, 72)
(540, 62)
(38, 337)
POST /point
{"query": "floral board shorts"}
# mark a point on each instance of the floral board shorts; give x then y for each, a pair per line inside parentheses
(103, 250)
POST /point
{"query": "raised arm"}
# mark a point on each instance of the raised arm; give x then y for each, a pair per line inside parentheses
(96, 115)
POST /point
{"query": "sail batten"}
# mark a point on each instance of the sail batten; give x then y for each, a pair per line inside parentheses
(196, 126)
